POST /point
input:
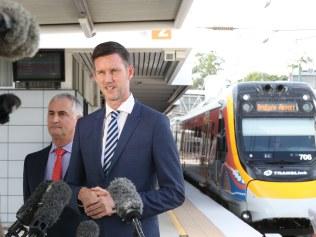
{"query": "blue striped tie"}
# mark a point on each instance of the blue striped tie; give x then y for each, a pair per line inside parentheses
(111, 141)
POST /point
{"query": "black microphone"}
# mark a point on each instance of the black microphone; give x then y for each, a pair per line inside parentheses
(88, 229)
(54, 200)
(8, 103)
(128, 203)
(19, 32)
(26, 213)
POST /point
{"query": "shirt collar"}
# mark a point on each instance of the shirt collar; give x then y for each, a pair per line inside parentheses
(126, 106)
(67, 147)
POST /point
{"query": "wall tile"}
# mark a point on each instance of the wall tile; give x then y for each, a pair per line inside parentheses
(25, 133)
(15, 186)
(12, 217)
(18, 151)
(4, 169)
(30, 98)
(3, 187)
(27, 116)
(3, 151)
(15, 169)
(4, 133)
(4, 217)
(3, 203)
(14, 203)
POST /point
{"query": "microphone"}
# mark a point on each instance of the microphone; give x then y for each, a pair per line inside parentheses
(8, 103)
(129, 205)
(19, 32)
(88, 229)
(26, 213)
(54, 200)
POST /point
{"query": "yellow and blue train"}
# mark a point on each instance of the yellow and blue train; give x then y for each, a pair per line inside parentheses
(256, 151)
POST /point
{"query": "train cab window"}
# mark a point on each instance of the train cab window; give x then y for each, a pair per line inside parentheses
(279, 134)
(273, 138)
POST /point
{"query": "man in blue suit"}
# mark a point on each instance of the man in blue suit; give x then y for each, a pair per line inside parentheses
(63, 111)
(143, 150)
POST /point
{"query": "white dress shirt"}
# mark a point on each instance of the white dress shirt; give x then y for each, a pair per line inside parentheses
(125, 109)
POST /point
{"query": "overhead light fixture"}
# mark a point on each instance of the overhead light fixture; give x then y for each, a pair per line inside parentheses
(87, 27)
(222, 28)
(268, 2)
(85, 19)
(265, 40)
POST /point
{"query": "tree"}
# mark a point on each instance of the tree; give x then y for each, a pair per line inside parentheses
(207, 64)
(260, 76)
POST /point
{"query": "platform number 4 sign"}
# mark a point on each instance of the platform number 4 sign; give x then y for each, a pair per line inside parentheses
(161, 34)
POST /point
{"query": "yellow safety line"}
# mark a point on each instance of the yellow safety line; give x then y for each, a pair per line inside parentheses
(177, 224)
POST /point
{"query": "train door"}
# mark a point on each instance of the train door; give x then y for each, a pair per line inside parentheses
(205, 152)
(221, 150)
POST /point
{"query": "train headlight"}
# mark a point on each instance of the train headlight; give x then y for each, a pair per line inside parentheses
(306, 97)
(246, 97)
(307, 107)
(246, 216)
(247, 107)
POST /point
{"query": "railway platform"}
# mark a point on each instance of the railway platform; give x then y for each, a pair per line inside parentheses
(200, 216)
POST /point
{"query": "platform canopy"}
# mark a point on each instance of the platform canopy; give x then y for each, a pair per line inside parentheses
(143, 26)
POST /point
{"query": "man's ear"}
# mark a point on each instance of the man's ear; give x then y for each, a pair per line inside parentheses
(130, 71)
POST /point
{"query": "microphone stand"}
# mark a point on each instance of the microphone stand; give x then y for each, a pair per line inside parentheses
(138, 227)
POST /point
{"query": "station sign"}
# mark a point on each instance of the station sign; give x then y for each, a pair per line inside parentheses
(277, 107)
(161, 34)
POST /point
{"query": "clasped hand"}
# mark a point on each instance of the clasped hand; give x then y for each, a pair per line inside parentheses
(97, 202)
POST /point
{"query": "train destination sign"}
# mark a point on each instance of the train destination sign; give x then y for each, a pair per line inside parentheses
(277, 107)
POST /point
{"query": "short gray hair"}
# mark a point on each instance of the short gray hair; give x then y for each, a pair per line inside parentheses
(76, 104)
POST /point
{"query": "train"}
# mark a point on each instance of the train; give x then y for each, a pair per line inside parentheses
(255, 150)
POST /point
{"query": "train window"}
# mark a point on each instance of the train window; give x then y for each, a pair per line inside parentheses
(278, 126)
(206, 144)
(198, 132)
(221, 141)
(221, 125)
(278, 134)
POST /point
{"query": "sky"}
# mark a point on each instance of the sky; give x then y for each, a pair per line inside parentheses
(269, 34)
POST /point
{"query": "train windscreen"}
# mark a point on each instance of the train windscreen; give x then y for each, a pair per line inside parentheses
(278, 135)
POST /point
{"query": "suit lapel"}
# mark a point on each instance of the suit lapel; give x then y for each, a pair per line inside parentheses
(129, 127)
(40, 163)
(96, 141)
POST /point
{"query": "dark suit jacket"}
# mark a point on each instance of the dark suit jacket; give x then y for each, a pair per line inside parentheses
(33, 175)
(146, 154)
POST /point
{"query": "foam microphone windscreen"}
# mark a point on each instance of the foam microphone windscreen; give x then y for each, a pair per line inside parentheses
(88, 229)
(26, 213)
(126, 198)
(8, 103)
(54, 200)
(19, 32)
